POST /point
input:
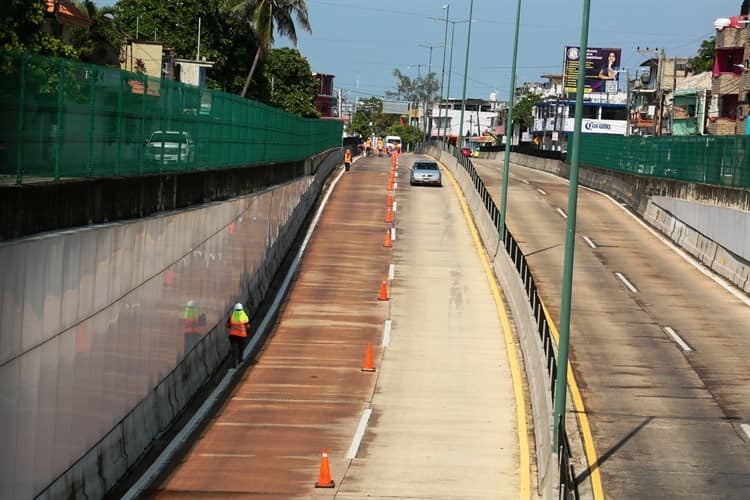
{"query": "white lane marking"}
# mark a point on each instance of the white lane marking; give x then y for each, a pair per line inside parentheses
(589, 242)
(395, 186)
(357, 440)
(562, 212)
(395, 174)
(542, 192)
(393, 234)
(625, 282)
(395, 205)
(387, 333)
(228, 455)
(167, 455)
(683, 345)
(524, 181)
(391, 271)
(685, 256)
(746, 429)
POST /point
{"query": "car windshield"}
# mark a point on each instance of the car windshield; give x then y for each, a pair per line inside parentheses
(425, 166)
(168, 137)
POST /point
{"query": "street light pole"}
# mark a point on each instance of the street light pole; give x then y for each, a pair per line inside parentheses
(509, 131)
(561, 387)
(428, 104)
(447, 8)
(466, 74)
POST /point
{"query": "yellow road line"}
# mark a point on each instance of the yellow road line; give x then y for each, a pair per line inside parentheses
(525, 480)
(588, 437)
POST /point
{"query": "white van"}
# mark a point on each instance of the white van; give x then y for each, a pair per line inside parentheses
(392, 142)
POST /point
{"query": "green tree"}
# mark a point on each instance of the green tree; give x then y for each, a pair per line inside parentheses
(102, 36)
(267, 16)
(226, 40)
(362, 120)
(21, 23)
(704, 60)
(522, 110)
(289, 82)
(409, 133)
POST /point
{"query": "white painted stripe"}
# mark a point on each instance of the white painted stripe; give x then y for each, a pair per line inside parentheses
(391, 272)
(524, 181)
(167, 455)
(562, 212)
(625, 282)
(746, 429)
(393, 234)
(395, 205)
(685, 256)
(354, 448)
(542, 192)
(395, 174)
(387, 333)
(395, 186)
(227, 455)
(683, 345)
(589, 242)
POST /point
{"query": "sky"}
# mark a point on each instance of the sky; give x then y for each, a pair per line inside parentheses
(361, 43)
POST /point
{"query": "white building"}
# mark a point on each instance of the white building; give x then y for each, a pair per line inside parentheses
(479, 118)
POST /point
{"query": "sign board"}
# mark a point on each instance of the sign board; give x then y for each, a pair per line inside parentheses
(617, 127)
(601, 68)
(555, 136)
(395, 107)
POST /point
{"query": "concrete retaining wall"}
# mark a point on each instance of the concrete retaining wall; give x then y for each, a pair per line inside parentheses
(95, 361)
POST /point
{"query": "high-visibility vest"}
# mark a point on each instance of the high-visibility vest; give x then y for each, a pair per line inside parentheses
(238, 322)
(368, 143)
(191, 322)
(347, 156)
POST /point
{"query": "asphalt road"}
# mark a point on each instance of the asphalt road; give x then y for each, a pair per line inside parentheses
(667, 422)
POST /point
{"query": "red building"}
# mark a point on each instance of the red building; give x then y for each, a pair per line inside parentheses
(325, 102)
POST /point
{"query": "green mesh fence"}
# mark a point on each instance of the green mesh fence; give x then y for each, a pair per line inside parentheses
(62, 120)
(718, 160)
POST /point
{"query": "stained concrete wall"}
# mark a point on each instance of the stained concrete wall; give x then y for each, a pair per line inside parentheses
(95, 361)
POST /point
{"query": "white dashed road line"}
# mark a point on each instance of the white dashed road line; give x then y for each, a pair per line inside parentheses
(683, 345)
(354, 448)
(625, 282)
(542, 192)
(589, 242)
(562, 213)
(387, 333)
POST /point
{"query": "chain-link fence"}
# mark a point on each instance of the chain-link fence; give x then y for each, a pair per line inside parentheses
(717, 160)
(63, 119)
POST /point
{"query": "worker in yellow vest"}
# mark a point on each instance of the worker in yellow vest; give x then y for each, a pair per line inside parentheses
(368, 147)
(237, 327)
(347, 159)
(380, 146)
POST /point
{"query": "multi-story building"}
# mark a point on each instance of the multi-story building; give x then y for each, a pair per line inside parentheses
(326, 101)
(479, 118)
(726, 116)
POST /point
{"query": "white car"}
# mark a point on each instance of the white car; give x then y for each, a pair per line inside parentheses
(425, 172)
(170, 147)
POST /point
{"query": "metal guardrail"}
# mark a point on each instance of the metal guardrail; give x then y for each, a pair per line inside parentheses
(567, 479)
(66, 120)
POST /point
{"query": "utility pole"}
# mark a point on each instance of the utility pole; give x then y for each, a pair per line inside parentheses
(447, 8)
(466, 74)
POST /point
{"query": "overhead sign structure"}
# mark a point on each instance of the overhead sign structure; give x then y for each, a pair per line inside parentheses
(601, 69)
(395, 107)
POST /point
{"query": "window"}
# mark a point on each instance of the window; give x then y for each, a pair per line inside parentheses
(728, 106)
(591, 112)
(727, 60)
(614, 114)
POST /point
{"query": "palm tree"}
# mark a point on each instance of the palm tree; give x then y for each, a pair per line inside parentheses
(265, 15)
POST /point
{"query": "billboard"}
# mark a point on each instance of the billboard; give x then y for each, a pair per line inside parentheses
(395, 107)
(601, 69)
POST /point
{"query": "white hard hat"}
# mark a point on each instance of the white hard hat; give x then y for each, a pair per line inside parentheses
(190, 303)
(238, 307)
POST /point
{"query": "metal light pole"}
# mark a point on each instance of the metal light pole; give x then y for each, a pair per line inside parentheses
(466, 74)
(428, 104)
(561, 386)
(509, 131)
(447, 8)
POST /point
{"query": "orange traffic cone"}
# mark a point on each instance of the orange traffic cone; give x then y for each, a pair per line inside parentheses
(389, 215)
(390, 185)
(368, 365)
(324, 476)
(387, 241)
(383, 291)
(389, 200)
